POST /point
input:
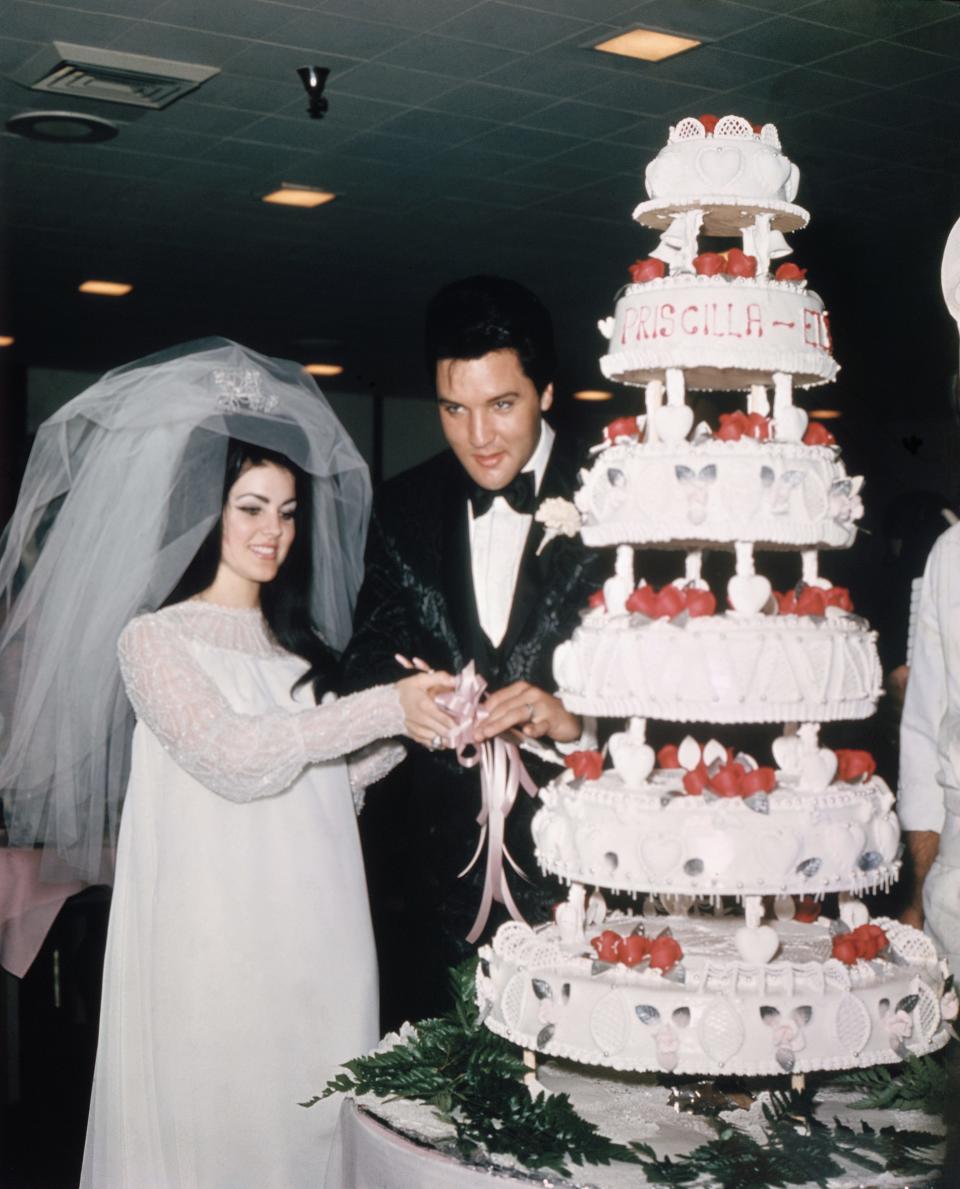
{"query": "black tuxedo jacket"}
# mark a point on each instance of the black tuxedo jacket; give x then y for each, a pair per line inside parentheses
(417, 599)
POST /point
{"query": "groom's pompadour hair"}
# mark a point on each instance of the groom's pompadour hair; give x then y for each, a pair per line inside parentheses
(466, 319)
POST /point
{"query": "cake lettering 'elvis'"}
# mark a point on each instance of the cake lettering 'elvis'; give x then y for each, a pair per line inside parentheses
(699, 991)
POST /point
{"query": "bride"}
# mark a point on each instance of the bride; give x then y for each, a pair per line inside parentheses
(240, 967)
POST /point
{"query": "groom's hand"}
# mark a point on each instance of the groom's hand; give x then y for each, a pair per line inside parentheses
(532, 711)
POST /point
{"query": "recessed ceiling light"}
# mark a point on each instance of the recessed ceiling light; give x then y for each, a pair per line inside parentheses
(293, 195)
(825, 414)
(593, 394)
(324, 369)
(61, 127)
(106, 288)
(647, 45)
(7, 340)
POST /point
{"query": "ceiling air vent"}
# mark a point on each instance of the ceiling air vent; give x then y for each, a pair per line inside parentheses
(84, 72)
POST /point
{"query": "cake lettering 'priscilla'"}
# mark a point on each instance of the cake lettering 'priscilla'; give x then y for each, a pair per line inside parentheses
(714, 319)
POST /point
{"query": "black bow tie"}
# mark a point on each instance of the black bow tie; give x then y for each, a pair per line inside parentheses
(519, 494)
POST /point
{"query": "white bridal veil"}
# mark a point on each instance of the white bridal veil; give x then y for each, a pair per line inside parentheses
(121, 487)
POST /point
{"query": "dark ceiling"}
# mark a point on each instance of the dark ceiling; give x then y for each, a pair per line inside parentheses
(468, 136)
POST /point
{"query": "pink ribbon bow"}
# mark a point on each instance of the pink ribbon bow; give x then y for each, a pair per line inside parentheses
(502, 774)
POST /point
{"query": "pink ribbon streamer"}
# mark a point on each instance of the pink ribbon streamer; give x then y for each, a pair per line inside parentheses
(502, 775)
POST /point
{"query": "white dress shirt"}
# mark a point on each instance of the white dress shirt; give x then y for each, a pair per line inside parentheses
(497, 541)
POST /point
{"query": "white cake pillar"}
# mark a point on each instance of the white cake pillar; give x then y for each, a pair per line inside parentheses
(758, 401)
(653, 399)
(619, 588)
(692, 568)
(789, 422)
(756, 242)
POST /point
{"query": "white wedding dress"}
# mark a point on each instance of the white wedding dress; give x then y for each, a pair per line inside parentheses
(240, 967)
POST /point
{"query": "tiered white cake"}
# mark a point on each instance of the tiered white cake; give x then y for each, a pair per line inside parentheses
(699, 991)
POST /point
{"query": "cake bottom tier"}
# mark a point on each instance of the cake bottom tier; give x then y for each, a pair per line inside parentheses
(715, 1013)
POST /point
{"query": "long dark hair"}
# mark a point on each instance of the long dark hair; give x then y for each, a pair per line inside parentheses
(285, 601)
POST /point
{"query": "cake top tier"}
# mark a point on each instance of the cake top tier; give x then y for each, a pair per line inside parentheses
(729, 168)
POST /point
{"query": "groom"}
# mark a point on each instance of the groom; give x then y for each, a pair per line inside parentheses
(454, 573)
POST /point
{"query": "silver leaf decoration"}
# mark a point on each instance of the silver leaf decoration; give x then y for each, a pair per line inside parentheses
(883, 1007)
(809, 867)
(766, 476)
(684, 474)
(681, 1016)
(785, 1059)
(708, 474)
(759, 802)
(693, 867)
(870, 860)
(665, 932)
(803, 1015)
(612, 860)
(769, 1015)
(598, 967)
(638, 930)
(647, 1013)
(898, 1046)
(838, 928)
(541, 988)
(616, 477)
(485, 967)
(676, 974)
(908, 1003)
(565, 993)
(544, 1035)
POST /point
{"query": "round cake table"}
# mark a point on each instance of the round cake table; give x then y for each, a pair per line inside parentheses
(404, 1145)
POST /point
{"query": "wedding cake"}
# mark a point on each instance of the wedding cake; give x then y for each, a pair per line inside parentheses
(700, 829)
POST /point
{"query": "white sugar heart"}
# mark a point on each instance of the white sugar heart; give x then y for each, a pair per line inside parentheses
(632, 759)
(748, 593)
(817, 769)
(672, 423)
(757, 945)
(689, 753)
(853, 913)
(660, 854)
(605, 326)
(790, 424)
(787, 751)
(719, 166)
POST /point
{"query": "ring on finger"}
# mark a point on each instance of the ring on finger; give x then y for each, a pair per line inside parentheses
(435, 743)
(529, 712)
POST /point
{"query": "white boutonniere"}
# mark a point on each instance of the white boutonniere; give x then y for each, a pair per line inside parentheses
(561, 518)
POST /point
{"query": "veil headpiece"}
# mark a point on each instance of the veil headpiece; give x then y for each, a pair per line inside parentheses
(122, 486)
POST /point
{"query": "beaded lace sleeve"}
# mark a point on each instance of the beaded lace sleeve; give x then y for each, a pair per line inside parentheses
(238, 756)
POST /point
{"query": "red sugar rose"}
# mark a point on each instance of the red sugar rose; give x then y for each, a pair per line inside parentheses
(845, 949)
(634, 949)
(597, 600)
(838, 596)
(818, 435)
(607, 945)
(649, 269)
(811, 601)
(760, 780)
(585, 764)
(665, 953)
(739, 264)
(671, 601)
(700, 602)
(623, 427)
(696, 780)
(852, 765)
(727, 780)
(786, 602)
(644, 601)
(789, 272)
(708, 264)
(709, 123)
(668, 756)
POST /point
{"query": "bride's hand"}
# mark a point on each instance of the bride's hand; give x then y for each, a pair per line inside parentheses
(424, 721)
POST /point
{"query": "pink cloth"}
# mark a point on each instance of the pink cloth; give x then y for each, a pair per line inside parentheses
(28, 907)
